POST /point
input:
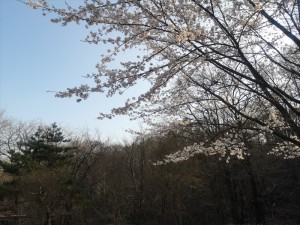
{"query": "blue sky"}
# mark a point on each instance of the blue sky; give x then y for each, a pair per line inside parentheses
(37, 56)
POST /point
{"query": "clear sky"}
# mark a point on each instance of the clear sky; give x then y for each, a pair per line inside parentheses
(37, 56)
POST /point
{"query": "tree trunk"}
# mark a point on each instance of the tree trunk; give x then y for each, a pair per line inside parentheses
(233, 196)
(48, 217)
(257, 198)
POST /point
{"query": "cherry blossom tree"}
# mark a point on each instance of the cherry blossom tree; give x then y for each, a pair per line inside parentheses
(231, 63)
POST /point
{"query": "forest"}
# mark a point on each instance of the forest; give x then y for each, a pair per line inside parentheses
(221, 105)
(49, 177)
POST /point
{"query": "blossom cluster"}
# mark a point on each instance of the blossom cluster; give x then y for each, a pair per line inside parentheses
(185, 35)
(225, 148)
(33, 5)
(287, 149)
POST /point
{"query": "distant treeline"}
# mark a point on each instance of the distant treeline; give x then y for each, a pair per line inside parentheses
(49, 179)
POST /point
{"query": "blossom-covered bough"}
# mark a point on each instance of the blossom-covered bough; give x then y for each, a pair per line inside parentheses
(229, 66)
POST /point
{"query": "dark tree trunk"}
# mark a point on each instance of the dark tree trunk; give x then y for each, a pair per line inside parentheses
(237, 218)
(257, 198)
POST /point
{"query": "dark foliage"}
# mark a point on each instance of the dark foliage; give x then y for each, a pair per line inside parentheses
(105, 184)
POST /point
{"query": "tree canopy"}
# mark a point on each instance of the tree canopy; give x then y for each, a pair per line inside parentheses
(232, 66)
(45, 148)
